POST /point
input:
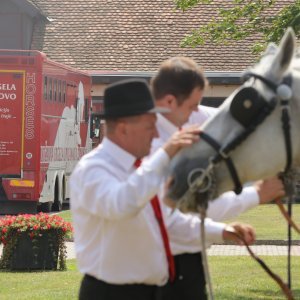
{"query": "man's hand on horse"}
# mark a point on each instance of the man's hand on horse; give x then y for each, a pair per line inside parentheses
(182, 139)
(269, 189)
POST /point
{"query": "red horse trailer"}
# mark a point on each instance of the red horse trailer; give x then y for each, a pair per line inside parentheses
(45, 112)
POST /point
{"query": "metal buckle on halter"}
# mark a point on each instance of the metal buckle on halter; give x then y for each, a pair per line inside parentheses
(203, 182)
(223, 154)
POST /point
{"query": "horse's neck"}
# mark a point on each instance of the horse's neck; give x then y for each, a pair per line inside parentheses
(295, 114)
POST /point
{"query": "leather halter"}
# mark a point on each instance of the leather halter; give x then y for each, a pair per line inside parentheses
(223, 151)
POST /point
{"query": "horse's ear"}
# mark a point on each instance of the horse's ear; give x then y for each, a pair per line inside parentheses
(271, 49)
(285, 54)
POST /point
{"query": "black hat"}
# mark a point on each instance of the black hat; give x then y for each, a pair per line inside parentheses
(129, 98)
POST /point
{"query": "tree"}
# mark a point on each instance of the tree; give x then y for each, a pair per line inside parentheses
(242, 19)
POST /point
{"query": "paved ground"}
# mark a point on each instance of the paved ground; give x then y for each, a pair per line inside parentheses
(224, 250)
(230, 250)
(257, 249)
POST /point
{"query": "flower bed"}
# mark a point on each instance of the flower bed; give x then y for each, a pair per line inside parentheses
(30, 241)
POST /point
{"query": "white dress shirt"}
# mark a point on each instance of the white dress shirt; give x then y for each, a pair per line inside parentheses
(117, 238)
(184, 228)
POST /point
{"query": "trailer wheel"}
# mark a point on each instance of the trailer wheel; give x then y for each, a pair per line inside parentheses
(57, 205)
(46, 207)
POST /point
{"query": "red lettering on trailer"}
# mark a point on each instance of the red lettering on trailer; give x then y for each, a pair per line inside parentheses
(6, 96)
(30, 91)
(7, 87)
(11, 106)
(49, 154)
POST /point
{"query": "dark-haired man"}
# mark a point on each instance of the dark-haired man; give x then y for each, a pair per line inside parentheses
(179, 85)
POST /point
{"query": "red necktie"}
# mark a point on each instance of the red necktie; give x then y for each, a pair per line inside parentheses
(159, 218)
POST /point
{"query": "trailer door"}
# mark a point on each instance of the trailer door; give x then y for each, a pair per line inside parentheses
(11, 122)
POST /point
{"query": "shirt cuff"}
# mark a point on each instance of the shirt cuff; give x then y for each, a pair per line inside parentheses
(250, 197)
(214, 231)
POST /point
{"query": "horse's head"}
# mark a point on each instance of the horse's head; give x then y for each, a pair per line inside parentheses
(244, 141)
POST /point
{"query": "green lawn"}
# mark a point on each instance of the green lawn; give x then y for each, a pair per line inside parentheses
(41, 285)
(66, 214)
(266, 219)
(233, 277)
(269, 222)
(240, 277)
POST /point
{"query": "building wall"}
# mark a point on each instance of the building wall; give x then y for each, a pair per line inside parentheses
(15, 27)
(17, 20)
(213, 96)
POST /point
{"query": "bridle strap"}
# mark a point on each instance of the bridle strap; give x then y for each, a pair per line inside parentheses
(222, 155)
(286, 127)
(285, 116)
(269, 83)
(285, 120)
(223, 152)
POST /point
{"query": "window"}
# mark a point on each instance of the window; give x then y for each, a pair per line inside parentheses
(45, 88)
(64, 92)
(50, 89)
(55, 90)
(86, 110)
(76, 107)
(59, 90)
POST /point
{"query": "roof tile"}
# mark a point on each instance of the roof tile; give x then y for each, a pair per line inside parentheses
(133, 35)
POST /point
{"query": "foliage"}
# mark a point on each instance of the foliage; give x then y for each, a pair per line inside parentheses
(242, 19)
(12, 227)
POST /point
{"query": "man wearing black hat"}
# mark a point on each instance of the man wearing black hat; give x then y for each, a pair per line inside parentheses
(120, 246)
(117, 239)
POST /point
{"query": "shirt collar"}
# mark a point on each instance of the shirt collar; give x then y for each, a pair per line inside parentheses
(120, 156)
(166, 125)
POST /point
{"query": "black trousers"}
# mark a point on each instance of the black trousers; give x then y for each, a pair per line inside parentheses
(94, 289)
(189, 283)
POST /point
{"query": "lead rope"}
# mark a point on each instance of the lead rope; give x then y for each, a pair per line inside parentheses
(283, 285)
(291, 224)
(202, 207)
(288, 178)
(289, 272)
(286, 215)
(202, 211)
